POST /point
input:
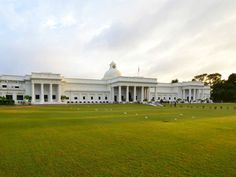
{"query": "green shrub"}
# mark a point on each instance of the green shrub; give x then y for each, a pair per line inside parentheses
(5, 101)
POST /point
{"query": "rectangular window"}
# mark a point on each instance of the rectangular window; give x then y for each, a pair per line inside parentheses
(106, 98)
(20, 97)
(76, 98)
(83, 97)
(99, 98)
(9, 97)
(4, 86)
(91, 98)
(17, 87)
(54, 97)
(37, 97)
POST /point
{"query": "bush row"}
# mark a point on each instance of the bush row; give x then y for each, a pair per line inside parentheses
(5, 101)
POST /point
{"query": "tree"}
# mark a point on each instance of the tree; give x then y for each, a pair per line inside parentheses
(174, 81)
(224, 90)
(218, 92)
(212, 79)
(201, 78)
(221, 90)
(232, 78)
(208, 79)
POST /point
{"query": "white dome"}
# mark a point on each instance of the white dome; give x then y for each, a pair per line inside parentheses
(112, 72)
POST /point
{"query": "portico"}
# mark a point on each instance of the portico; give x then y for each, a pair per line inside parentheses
(192, 94)
(45, 88)
(45, 93)
(134, 92)
(129, 93)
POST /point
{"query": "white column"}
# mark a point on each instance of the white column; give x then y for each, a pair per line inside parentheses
(42, 94)
(50, 93)
(183, 94)
(59, 93)
(145, 94)
(127, 94)
(87, 97)
(194, 94)
(202, 97)
(119, 94)
(198, 94)
(112, 95)
(149, 94)
(134, 100)
(155, 96)
(142, 94)
(14, 97)
(32, 93)
(189, 95)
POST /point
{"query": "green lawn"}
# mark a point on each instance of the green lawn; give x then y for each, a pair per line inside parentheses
(118, 140)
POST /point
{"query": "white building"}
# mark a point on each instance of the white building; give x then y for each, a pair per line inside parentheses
(47, 88)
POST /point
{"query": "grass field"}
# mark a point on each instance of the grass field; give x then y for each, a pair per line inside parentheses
(118, 140)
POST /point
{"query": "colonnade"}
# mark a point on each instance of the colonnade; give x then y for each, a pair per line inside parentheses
(193, 94)
(139, 93)
(42, 93)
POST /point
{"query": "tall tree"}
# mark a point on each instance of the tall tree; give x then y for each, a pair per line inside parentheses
(212, 79)
(201, 78)
(208, 79)
(232, 78)
(224, 90)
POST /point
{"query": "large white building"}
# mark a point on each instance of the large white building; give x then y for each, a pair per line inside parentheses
(47, 88)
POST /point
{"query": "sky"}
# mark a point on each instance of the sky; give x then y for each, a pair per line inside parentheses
(166, 39)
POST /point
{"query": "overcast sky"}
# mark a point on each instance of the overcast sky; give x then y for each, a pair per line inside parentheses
(167, 39)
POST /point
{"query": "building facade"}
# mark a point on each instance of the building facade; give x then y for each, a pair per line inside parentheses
(48, 88)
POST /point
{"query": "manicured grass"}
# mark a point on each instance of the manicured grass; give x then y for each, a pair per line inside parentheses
(118, 140)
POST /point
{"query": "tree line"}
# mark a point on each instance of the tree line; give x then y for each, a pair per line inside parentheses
(221, 90)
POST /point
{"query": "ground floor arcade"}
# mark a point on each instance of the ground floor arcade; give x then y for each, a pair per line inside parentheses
(44, 93)
(128, 93)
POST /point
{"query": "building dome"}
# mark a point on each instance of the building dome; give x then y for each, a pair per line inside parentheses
(112, 72)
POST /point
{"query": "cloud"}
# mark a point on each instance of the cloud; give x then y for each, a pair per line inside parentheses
(167, 39)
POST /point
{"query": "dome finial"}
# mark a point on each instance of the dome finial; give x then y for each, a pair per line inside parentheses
(113, 65)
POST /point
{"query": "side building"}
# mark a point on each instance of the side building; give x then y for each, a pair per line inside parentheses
(48, 88)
